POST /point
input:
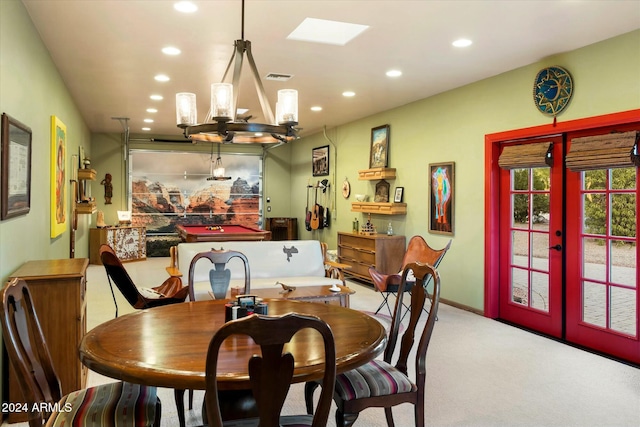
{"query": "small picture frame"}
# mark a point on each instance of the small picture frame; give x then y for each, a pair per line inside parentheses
(16, 168)
(397, 196)
(379, 156)
(320, 161)
(441, 197)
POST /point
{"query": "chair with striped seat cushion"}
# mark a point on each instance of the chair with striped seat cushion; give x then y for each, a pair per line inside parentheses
(381, 383)
(117, 404)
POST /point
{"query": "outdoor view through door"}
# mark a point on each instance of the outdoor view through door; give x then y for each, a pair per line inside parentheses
(566, 247)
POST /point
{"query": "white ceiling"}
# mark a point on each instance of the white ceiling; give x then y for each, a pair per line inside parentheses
(108, 51)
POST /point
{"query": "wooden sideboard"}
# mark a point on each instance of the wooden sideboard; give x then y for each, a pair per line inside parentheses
(58, 289)
(129, 243)
(380, 251)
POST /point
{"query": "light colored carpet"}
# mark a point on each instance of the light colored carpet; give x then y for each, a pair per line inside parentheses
(480, 372)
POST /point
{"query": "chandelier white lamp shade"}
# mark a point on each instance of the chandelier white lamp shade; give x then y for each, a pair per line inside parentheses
(221, 124)
(186, 113)
(287, 106)
(222, 101)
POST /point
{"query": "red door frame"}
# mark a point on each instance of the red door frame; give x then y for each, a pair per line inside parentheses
(492, 186)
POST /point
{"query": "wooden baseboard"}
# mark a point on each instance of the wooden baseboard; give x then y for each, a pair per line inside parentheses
(462, 306)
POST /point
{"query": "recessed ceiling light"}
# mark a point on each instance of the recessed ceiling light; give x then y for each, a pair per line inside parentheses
(156, 97)
(185, 7)
(162, 78)
(148, 120)
(328, 32)
(147, 129)
(348, 94)
(316, 108)
(394, 73)
(462, 43)
(152, 110)
(170, 50)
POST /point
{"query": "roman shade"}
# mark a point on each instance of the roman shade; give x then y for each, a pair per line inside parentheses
(532, 155)
(614, 150)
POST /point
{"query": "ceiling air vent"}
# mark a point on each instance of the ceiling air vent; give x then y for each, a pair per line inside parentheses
(278, 77)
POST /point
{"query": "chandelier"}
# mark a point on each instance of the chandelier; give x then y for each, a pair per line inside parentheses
(217, 169)
(221, 124)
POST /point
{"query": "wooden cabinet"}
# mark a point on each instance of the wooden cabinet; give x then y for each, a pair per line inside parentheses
(282, 228)
(380, 251)
(129, 243)
(58, 289)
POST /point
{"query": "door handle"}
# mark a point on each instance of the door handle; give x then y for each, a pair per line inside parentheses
(556, 247)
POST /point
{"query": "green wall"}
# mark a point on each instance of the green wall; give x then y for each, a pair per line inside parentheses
(32, 91)
(451, 127)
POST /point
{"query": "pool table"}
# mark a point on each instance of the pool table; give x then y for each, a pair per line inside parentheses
(201, 233)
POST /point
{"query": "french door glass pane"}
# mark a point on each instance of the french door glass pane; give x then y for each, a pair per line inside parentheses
(540, 259)
(594, 304)
(520, 245)
(519, 286)
(623, 263)
(520, 210)
(594, 252)
(540, 291)
(594, 213)
(623, 310)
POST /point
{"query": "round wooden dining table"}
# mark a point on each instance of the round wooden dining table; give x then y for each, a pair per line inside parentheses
(167, 346)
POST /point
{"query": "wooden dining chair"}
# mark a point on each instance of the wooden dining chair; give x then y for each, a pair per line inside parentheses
(271, 373)
(418, 250)
(383, 383)
(171, 291)
(121, 403)
(220, 276)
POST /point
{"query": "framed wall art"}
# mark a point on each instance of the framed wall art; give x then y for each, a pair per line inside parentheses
(58, 177)
(397, 197)
(320, 161)
(16, 168)
(379, 156)
(441, 197)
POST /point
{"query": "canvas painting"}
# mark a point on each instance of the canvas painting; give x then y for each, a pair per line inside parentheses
(58, 177)
(442, 191)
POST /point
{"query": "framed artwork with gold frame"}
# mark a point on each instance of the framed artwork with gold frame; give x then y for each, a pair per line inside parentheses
(58, 177)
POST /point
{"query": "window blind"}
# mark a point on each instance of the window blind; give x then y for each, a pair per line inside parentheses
(614, 150)
(532, 155)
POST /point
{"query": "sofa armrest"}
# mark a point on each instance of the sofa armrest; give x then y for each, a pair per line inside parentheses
(334, 270)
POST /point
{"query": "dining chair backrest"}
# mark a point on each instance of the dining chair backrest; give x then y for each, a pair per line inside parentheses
(271, 373)
(423, 273)
(27, 350)
(219, 258)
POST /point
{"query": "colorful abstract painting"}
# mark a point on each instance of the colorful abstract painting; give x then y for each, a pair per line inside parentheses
(441, 192)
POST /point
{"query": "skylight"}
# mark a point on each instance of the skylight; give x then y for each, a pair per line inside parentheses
(328, 32)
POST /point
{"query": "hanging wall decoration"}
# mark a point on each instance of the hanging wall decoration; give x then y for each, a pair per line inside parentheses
(379, 156)
(320, 160)
(58, 177)
(442, 192)
(16, 168)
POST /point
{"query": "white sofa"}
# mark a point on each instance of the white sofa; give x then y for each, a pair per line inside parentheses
(292, 262)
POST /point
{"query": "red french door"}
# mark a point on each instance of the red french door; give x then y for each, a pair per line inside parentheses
(562, 246)
(531, 238)
(602, 255)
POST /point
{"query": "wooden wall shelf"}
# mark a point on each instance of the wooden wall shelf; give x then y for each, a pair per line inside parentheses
(377, 173)
(86, 208)
(86, 174)
(379, 208)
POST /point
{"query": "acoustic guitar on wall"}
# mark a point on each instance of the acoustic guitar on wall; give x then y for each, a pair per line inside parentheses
(316, 215)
